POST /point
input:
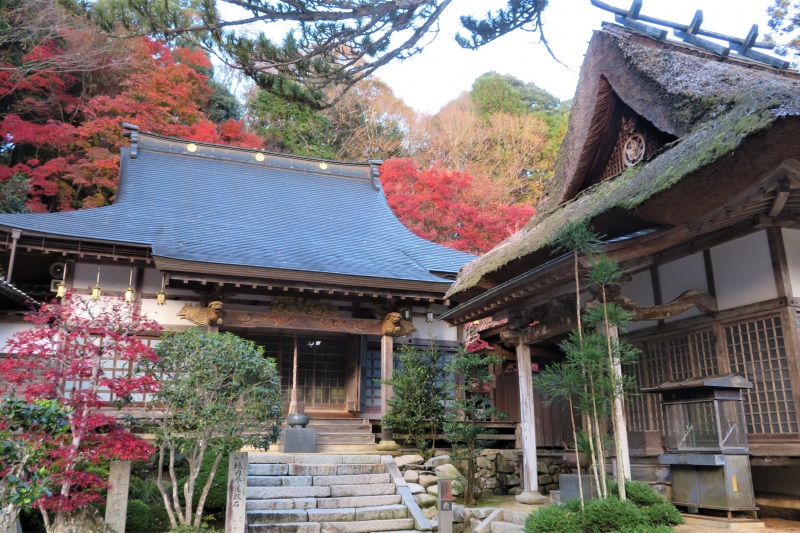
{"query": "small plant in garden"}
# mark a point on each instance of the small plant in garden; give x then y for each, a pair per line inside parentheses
(467, 408)
(218, 394)
(64, 357)
(29, 432)
(417, 407)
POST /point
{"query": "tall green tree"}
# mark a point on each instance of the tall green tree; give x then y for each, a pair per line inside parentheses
(468, 410)
(330, 42)
(417, 407)
(218, 393)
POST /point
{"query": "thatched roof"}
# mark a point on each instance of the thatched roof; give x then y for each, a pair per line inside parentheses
(711, 104)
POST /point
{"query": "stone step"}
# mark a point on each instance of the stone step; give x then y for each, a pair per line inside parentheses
(315, 458)
(279, 481)
(515, 517)
(278, 516)
(499, 526)
(368, 526)
(299, 527)
(334, 448)
(359, 501)
(266, 493)
(283, 503)
(376, 489)
(356, 479)
(345, 438)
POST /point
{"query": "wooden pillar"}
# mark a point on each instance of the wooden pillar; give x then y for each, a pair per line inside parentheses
(623, 452)
(531, 494)
(387, 366)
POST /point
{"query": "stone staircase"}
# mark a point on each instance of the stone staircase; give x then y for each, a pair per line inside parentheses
(339, 435)
(501, 521)
(326, 493)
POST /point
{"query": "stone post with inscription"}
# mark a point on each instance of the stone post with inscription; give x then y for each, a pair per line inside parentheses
(119, 477)
(235, 517)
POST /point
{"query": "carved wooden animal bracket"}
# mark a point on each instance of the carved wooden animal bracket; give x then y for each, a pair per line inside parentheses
(394, 325)
(210, 315)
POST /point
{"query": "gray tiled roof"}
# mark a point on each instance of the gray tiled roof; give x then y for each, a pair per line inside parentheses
(220, 206)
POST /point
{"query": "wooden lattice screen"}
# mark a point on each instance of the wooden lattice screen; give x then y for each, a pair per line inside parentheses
(668, 359)
(757, 350)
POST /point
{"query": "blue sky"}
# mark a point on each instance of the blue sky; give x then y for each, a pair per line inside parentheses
(444, 70)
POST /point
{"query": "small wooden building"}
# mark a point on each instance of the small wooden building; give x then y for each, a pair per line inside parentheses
(689, 164)
(275, 248)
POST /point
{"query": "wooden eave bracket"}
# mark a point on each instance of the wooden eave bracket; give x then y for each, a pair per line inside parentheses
(691, 298)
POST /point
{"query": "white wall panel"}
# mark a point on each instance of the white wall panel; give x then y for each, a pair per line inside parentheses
(679, 276)
(743, 271)
(640, 290)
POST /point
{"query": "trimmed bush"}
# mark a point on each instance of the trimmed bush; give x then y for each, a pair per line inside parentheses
(553, 519)
(646, 529)
(642, 494)
(138, 517)
(601, 516)
(662, 513)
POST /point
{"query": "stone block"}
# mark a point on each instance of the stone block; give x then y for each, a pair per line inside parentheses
(513, 480)
(545, 479)
(360, 459)
(430, 512)
(554, 469)
(275, 458)
(411, 476)
(426, 480)
(542, 467)
(263, 481)
(425, 500)
(299, 527)
(433, 489)
(447, 472)
(416, 488)
(433, 462)
(332, 515)
(398, 524)
(281, 503)
(359, 501)
(277, 516)
(300, 440)
(351, 469)
(490, 483)
(319, 459)
(265, 493)
(381, 512)
(361, 479)
(312, 470)
(266, 469)
(514, 491)
(338, 491)
(483, 462)
(408, 459)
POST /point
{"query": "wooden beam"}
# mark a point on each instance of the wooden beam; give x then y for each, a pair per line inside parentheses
(782, 192)
(358, 326)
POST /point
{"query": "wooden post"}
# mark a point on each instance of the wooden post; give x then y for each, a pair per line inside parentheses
(387, 367)
(531, 494)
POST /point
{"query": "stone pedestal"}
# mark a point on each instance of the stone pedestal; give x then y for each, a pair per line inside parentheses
(299, 440)
(532, 498)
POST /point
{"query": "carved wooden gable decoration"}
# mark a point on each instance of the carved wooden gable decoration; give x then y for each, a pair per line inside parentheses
(626, 139)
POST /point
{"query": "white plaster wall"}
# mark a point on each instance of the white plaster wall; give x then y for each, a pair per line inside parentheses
(640, 290)
(113, 277)
(791, 242)
(679, 276)
(9, 329)
(166, 315)
(743, 271)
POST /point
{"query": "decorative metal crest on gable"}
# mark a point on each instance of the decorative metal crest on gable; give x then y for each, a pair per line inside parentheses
(633, 19)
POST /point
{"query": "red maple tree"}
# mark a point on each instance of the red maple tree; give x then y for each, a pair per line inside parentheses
(82, 353)
(63, 132)
(444, 206)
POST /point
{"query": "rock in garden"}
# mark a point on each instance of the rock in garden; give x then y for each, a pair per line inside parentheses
(447, 472)
(408, 460)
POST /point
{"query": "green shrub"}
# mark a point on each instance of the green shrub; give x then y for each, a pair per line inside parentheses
(601, 516)
(553, 519)
(192, 529)
(642, 494)
(138, 517)
(662, 513)
(573, 505)
(646, 529)
(217, 498)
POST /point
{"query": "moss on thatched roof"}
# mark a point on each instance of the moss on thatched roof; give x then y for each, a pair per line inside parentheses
(712, 105)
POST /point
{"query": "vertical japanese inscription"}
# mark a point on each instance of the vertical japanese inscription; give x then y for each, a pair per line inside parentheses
(119, 477)
(237, 493)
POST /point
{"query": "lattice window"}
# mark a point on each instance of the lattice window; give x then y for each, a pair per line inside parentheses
(668, 359)
(320, 367)
(757, 351)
